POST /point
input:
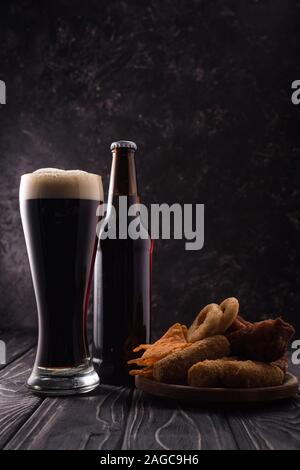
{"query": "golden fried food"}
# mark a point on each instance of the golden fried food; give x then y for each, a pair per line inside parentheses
(173, 340)
(282, 363)
(200, 355)
(206, 323)
(231, 373)
(174, 368)
(266, 341)
(213, 320)
(238, 324)
(230, 308)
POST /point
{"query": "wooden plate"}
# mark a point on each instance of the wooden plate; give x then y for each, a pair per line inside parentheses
(222, 395)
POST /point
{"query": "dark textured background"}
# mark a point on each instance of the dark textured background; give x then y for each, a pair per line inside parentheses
(204, 88)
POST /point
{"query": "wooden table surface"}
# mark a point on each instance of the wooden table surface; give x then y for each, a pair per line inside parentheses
(121, 418)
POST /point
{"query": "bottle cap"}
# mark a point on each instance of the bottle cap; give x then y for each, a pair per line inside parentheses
(123, 144)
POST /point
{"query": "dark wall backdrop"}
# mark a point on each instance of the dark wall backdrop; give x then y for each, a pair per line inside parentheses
(204, 88)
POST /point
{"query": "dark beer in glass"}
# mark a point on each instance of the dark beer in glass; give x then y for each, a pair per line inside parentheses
(122, 289)
(58, 210)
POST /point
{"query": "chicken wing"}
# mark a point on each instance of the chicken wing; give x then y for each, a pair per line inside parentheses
(266, 341)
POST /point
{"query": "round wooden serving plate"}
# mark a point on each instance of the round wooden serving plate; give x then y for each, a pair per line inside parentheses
(219, 395)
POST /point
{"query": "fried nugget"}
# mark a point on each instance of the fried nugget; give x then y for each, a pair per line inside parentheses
(174, 368)
(234, 374)
(266, 341)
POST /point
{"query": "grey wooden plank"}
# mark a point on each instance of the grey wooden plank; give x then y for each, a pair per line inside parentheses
(155, 424)
(269, 427)
(16, 402)
(17, 343)
(95, 421)
(105, 420)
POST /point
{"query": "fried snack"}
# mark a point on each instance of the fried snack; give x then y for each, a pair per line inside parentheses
(282, 363)
(206, 323)
(234, 374)
(173, 340)
(213, 320)
(266, 341)
(230, 308)
(238, 324)
(174, 368)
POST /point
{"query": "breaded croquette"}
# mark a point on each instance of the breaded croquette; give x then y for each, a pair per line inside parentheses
(231, 373)
(282, 363)
(174, 368)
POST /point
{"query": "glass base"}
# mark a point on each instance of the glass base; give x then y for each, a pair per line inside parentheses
(59, 382)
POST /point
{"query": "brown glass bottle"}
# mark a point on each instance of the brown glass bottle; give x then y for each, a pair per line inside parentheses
(122, 294)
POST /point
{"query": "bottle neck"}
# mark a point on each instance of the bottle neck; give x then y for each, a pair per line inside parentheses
(123, 180)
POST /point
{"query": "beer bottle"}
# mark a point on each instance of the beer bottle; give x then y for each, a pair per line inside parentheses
(122, 275)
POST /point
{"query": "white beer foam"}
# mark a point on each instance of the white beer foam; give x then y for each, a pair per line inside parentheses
(53, 183)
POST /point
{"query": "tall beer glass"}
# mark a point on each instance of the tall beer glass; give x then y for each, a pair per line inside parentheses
(58, 210)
